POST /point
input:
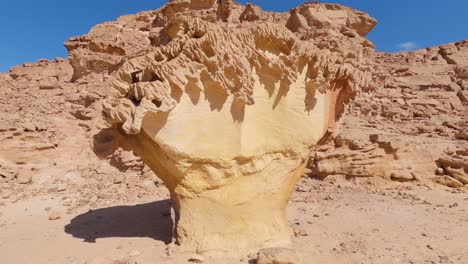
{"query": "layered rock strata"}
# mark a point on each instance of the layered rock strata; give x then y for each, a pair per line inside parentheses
(46, 126)
(411, 126)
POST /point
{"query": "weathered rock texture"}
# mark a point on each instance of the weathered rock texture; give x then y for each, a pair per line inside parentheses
(45, 146)
(224, 102)
(412, 126)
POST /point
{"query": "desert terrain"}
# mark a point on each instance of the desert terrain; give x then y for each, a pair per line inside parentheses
(334, 221)
(183, 134)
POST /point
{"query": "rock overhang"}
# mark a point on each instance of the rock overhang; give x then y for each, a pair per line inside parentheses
(224, 101)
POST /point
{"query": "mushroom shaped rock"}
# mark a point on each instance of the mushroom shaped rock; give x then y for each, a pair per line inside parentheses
(225, 104)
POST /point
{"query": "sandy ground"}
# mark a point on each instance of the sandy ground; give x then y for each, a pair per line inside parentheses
(334, 222)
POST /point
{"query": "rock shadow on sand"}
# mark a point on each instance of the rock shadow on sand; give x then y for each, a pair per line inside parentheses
(152, 220)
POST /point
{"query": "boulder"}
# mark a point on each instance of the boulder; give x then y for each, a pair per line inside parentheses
(278, 256)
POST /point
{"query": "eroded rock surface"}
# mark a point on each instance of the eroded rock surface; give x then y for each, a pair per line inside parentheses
(278, 256)
(225, 102)
(45, 141)
(412, 126)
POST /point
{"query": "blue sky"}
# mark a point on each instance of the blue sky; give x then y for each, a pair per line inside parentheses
(33, 29)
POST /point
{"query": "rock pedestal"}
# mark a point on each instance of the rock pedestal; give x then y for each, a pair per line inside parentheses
(231, 179)
(225, 102)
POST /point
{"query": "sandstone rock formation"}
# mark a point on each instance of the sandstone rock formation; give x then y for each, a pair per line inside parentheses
(224, 103)
(28, 126)
(45, 146)
(278, 256)
(411, 126)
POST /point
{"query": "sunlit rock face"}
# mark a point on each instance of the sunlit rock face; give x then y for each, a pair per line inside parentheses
(224, 102)
(412, 127)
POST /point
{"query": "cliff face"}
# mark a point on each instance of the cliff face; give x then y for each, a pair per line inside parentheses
(411, 126)
(225, 103)
(46, 135)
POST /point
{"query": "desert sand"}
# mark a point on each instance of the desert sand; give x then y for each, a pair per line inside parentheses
(212, 132)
